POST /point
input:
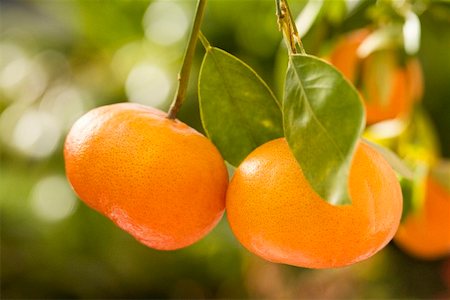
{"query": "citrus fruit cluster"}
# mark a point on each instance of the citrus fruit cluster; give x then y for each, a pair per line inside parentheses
(167, 185)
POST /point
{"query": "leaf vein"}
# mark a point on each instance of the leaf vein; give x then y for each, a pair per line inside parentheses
(235, 102)
(308, 105)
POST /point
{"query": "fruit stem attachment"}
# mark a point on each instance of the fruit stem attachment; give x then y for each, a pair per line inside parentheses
(204, 41)
(183, 76)
(286, 24)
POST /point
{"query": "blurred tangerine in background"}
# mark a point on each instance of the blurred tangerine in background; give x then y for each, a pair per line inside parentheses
(426, 233)
(388, 82)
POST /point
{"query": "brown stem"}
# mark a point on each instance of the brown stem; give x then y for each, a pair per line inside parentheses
(287, 25)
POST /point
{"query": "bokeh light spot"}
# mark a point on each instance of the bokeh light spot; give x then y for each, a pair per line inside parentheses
(52, 199)
(165, 23)
(148, 84)
(22, 79)
(65, 102)
(36, 134)
(14, 72)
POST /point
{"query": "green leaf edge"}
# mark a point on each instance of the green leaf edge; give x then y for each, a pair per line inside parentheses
(208, 50)
(394, 161)
(345, 200)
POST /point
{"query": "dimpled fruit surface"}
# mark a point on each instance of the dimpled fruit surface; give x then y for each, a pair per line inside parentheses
(156, 178)
(275, 214)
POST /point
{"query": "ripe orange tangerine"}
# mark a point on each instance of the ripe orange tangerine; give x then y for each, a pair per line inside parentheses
(388, 86)
(426, 234)
(274, 212)
(158, 179)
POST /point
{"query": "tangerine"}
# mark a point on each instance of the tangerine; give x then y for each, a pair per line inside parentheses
(274, 212)
(158, 179)
(426, 234)
(388, 86)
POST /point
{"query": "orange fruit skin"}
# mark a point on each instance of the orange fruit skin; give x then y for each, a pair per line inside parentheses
(158, 179)
(274, 212)
(415, 80)
(405, 83)
(395, 105)
(426, 234)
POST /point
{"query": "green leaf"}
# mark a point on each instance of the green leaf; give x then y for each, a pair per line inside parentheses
(323, 118)
(308, 16)
(396, 162)
(335, 11)
(413, 190)
(238, 110)
(441, 173)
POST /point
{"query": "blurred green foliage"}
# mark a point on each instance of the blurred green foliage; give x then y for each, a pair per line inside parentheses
(58, 59)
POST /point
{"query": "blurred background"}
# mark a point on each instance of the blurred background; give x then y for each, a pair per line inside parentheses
(59, 59)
